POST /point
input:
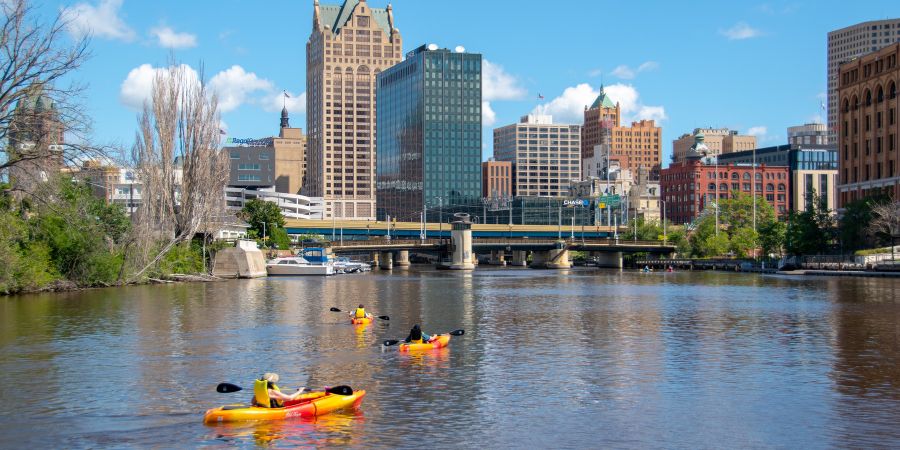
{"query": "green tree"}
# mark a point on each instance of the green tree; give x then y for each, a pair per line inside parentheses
(771, 237)
(280, 239)
(810, 232)
(743, 241)
(258, 212)
(678, 237)
(705, 242)
(855, 220)
(646, 230)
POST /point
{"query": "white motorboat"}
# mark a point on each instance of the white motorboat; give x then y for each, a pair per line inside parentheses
(343, 264)
(297, 265)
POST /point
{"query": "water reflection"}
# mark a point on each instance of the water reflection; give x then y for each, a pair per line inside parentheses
(548, 359)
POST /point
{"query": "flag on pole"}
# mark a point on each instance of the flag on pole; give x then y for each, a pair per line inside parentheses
(823, 106)
(540, 97)
(286, 94)
(222, 132)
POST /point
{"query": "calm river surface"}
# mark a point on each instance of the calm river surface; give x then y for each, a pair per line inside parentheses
(562, 359)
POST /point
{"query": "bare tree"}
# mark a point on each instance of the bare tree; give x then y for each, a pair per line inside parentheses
(179, 163)
(886, 221)
(36, 110)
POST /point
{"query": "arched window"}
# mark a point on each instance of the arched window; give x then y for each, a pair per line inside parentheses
(770, 187)
(846, 107)
(712, 186)
(780, 187)
(879, 95)
(746, 175)
(735, 176)
(868, 97)
(854, 103)
(759, 176)
(723, 187)
(892, 91)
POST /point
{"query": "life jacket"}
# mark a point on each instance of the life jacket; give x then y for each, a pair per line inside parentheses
(360, 313)
(415, 337)
(261, 394)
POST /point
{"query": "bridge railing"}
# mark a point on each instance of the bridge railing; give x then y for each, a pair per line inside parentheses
(380, 241)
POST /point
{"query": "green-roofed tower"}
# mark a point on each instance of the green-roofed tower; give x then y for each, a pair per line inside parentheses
(349, 46)
(601, 117)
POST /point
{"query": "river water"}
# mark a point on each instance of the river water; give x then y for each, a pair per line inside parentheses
(562, 359)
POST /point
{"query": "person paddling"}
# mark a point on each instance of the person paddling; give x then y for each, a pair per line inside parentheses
(417, 336)
(360, 313)
(266, 393)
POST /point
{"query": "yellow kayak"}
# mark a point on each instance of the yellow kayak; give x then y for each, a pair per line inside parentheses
(308, 405)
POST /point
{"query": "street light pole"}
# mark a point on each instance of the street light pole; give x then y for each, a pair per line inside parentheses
(665, 237)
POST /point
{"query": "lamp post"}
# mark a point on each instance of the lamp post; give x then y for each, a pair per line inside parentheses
(665, 237)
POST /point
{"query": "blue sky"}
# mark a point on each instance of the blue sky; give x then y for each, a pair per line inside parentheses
(752, 66)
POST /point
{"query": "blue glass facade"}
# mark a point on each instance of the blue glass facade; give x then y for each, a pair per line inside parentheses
(428, 120)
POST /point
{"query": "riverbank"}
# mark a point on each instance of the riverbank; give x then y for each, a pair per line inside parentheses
(841, 273)
(70, 286)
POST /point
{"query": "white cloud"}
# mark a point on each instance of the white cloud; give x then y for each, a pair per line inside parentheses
(296, 103)
(138, 85)
(234, 85)
(488, 116)
(741, 30)
(100, 21)
(624, 72)
(758, 131)
(595, 72)
(498, 85)
(569, 107)
(169, 38)
(627, 73)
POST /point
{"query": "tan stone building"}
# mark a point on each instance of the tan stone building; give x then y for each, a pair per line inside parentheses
(852, 42)
(719, 141)
(544, 155)
(632, 147)
(290, 157)
(869, 126)
(349, 46)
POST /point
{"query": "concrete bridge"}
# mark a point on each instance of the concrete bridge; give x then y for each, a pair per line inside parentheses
(545, 253)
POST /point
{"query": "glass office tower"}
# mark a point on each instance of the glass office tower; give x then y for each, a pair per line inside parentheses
(428, 122)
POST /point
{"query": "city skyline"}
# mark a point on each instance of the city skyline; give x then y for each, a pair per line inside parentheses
(753, 54)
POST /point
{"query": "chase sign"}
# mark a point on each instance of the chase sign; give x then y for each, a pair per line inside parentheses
(577, 202)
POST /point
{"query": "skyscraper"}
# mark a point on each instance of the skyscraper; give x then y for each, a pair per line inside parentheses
(633, 147)
(429, 140)
(349, 46)
(851, 42)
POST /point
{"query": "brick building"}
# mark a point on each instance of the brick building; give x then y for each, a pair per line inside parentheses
(689, 186)
(869, 126)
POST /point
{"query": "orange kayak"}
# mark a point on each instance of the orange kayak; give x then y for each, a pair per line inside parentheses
(363, 321)
(308, 405)
(439, 341)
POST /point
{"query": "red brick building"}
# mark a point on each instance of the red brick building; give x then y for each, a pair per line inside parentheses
(496, 178)
(689, 186)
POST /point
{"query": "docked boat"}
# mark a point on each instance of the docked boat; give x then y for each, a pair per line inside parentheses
(308, 405)
(343, 264)
(298, 265)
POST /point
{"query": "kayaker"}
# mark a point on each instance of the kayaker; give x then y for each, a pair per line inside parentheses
(267, 395)
(417, 336)
(360, 313)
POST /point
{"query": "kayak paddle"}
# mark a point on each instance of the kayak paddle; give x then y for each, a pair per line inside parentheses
(391, 342)
(333, 309)
(227, 388)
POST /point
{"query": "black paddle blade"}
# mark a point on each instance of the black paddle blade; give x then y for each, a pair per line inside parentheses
(459, 332)
(226, 388)
(384, 317)
(335, 309)
(391, 342)
(340, 390)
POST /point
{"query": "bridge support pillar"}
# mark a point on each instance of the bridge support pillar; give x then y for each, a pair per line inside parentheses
(402, 258)
(558, 258)
(461, 243)
(386, 261)
(520, 258)
(611, 260)
(498, 258)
